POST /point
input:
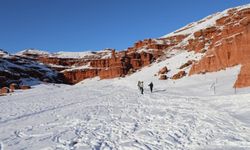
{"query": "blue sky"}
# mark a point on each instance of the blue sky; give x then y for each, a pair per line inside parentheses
(78, 25)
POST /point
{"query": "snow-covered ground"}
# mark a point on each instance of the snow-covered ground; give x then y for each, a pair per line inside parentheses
(197, 112)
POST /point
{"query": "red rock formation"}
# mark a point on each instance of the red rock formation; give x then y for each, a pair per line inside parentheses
(163, 70)
(163, 77)
(112, 73)
(118, 65)
(228, 46)
(75, 76)
(59, 61)
(243, 79)
(229, 52)
(188, 63)
(179, 75)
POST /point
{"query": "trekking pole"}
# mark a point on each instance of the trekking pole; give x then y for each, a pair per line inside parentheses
(213, 86)
(214, 90)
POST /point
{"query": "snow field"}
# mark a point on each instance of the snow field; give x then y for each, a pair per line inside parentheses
(112, 114)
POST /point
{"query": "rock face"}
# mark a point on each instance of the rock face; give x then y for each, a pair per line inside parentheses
(60, 61)
(243, 79)
(179, 75)
(188, 63)
(119, 65)
(75, 76)
(228, 44)
(163, 70)
(163, 77)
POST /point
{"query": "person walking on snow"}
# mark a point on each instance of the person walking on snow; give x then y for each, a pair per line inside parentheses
(151, 86)
(141, 87)
(138, 85)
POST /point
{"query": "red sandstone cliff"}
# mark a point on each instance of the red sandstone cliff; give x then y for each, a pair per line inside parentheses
(228, 45)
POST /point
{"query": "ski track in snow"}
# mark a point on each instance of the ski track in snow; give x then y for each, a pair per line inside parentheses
(117, 118)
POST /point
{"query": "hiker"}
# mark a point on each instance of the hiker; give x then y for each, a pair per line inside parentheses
(141, 87)
(138, 85)
(151, 86)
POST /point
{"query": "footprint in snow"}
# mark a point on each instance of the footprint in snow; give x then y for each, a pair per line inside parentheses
(19, 134)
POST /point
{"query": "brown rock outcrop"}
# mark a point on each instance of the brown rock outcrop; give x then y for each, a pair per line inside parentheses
(59, 61)
(179, 75)
(25, 87)
(163, 70)
(188, 63)
(163, 77)
(4, 90)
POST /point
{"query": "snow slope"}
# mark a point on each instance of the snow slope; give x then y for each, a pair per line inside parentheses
(204, 23)
(72, 54)
(111, 114)
(32, 51)
(24, 71)
(75, 55)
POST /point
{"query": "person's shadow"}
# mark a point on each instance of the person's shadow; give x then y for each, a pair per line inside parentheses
(160, 90)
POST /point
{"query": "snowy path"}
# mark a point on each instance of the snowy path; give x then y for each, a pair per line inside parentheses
(80, 117)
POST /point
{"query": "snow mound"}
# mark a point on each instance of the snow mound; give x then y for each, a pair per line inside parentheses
(63, 54)
(32, 52)
(84, 54)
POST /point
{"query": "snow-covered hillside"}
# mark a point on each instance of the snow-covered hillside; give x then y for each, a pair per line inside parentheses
(103, 54)
(33, 52)
(198, 112)
(206, 22)
(23, 71)
(75, 55)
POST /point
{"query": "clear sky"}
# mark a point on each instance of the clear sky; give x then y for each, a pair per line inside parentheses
(78, 25)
